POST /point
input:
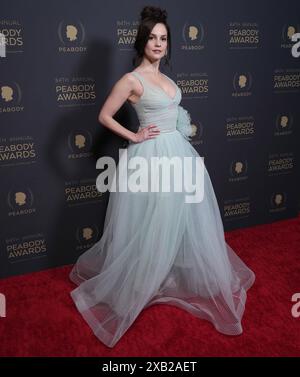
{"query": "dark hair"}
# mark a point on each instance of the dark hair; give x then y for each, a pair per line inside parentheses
(149, 17)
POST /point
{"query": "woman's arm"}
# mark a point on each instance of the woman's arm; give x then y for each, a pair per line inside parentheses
(120, 92)
(122, 89)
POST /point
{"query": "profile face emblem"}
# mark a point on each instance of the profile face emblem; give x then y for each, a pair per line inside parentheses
(71, 33)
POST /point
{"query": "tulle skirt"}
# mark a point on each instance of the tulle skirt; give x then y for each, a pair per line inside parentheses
(158, 249)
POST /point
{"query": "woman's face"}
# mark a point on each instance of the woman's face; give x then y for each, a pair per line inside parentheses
(157, 44)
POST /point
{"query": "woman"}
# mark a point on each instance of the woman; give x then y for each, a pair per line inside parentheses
(156, 247)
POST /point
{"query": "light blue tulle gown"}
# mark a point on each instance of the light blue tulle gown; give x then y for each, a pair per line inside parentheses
(158, 249)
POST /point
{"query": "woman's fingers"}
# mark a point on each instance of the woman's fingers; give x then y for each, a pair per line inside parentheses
(153, 127)
(148, 132)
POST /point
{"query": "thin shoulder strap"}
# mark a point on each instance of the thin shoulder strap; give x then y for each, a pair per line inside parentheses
(136, 73)
(140, 77)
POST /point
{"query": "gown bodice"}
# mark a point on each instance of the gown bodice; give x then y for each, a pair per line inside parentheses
(155, 106)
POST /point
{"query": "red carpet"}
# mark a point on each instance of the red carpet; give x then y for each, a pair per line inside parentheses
(42, 320)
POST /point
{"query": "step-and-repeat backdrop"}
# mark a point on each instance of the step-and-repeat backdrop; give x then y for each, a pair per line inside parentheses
(240, 82)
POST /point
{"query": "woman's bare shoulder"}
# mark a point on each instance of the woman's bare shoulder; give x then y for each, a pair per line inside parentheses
(131, 80)
(128, 76)
(129, 86)
(128, 80)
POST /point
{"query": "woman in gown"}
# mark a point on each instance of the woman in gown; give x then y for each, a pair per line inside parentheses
(156, 248)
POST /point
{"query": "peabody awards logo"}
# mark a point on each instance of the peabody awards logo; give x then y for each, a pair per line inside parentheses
(287, 32)
(79, 143)
(193, 85)
(71, 36)
(20, 201)
(286, 80)
(75, 91)
(13, 35)
(280, 163)
(277, 202)
(82, 192)
(283, 124)
(235, 209)
(19, 150)
(86, 236)
(242, 84)
(32, 246)
(238, 171)
(11, 96)
(126, 34)
(240, 128)
(193, 34)
(243, 35)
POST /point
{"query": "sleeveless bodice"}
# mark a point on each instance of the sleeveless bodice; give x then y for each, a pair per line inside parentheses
(155, 106)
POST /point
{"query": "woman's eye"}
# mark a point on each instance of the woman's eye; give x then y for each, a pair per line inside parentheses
(164, 39)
